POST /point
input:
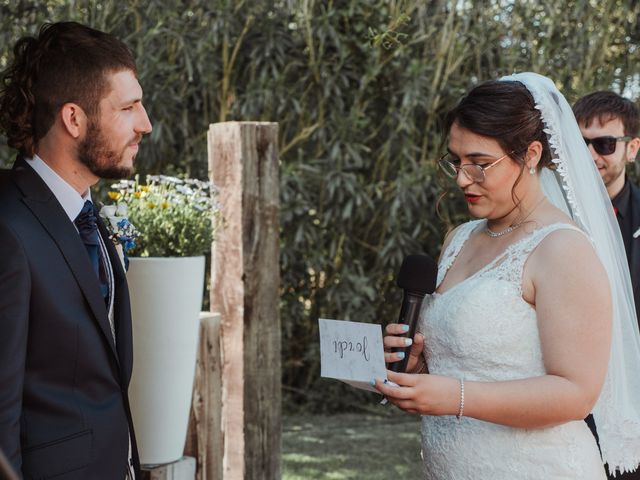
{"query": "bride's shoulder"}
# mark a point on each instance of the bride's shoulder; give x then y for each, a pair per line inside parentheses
(566, 258)
(563, 244)
(555, 230)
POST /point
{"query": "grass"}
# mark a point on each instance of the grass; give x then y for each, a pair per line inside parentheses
(351, 446)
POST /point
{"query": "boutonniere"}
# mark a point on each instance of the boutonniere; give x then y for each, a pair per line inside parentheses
(636, 234)
(121, 231)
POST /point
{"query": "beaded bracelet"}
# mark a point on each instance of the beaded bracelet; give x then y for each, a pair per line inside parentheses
(461, 411)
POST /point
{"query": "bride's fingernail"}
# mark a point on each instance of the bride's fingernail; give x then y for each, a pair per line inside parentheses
(408, 341)
(400, 355)
(405, 328)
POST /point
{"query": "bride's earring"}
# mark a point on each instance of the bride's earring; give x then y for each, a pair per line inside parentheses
(532, 170)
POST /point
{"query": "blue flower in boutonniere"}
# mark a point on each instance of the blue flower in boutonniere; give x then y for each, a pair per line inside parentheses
(121, 230)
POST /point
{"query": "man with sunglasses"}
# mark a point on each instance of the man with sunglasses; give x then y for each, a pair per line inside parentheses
(609, 124)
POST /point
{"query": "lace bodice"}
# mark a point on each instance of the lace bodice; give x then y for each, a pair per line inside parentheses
(481, 329)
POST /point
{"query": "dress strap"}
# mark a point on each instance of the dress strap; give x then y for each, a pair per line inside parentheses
(460, 236)
(531, 242)
(510, 266)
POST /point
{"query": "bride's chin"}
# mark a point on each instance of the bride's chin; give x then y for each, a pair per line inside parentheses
(477, 212)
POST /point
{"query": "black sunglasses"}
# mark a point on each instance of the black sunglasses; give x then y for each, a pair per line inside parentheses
(605, 145)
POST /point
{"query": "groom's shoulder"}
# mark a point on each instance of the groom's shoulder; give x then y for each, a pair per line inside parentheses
(635, 191)
(6, 184)
(10, 203)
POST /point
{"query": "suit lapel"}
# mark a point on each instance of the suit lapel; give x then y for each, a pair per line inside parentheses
(121, 306)
(55, 221)
(114, 258)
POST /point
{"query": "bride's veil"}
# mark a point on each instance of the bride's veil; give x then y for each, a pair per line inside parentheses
(575, 186)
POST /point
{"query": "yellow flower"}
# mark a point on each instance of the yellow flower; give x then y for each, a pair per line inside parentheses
(165, 205)
(151, 205)
(114, 195)
(144, 188)
(137, 194)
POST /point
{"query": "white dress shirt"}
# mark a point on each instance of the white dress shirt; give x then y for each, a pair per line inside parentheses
(71, 201)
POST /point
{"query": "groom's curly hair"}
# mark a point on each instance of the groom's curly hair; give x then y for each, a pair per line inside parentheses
(65, 63)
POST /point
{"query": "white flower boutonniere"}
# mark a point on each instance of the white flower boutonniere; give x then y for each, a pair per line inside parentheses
(122, 232)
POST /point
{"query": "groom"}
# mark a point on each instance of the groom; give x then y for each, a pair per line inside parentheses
(610, 124)
(71, 106)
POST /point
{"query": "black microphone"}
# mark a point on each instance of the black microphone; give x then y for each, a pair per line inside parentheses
(417, 277)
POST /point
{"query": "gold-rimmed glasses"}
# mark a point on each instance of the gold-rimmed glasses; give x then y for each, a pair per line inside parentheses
(472, 171)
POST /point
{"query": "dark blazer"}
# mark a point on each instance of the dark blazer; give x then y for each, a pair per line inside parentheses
(634, 267)
(634, 254)
(64, 411)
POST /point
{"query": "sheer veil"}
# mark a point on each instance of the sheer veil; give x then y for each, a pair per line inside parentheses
(575, 186)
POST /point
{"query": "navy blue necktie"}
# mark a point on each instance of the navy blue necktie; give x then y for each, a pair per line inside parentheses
(88, 229)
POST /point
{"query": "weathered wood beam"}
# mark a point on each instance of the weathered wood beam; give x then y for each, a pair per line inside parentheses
(243, 162)
(204, 437)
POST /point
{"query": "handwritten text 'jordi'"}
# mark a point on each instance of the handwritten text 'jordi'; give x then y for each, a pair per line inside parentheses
(343, 346)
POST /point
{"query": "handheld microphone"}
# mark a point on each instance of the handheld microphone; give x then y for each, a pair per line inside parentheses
(417, 277)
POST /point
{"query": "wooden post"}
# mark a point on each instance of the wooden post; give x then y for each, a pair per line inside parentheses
(243, 161)
(204, 437)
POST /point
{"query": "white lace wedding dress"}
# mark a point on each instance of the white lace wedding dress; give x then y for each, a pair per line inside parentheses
(483, 330)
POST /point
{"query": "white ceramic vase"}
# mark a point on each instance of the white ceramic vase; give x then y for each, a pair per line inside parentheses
(166, 299)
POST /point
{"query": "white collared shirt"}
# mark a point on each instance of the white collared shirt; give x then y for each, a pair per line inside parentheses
(71, 201)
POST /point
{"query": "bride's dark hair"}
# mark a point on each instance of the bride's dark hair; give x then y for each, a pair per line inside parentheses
(506, 112)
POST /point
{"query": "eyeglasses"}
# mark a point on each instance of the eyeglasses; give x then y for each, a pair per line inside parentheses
(605, 145)
(473, 172)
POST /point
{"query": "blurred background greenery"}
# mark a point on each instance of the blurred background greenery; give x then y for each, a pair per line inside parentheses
(360, 89)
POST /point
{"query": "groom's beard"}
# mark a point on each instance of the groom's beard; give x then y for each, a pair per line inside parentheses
(102, 160)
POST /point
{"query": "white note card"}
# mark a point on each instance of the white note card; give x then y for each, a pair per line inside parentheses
(351, 352)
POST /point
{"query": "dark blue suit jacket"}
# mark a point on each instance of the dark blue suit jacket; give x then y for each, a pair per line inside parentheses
(634, 254)
(64, 410)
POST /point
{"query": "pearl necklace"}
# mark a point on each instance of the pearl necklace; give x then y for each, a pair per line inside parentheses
(510, 228)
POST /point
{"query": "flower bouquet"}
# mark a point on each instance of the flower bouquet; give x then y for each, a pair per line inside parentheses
(173, 217)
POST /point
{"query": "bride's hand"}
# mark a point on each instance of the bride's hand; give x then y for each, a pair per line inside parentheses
(422, 394)
(392, 339)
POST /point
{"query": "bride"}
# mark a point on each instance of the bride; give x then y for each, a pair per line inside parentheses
(532, 325)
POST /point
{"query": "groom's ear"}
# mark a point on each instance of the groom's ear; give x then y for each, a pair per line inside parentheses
(632, 149)
(533, 154)
(73, 119)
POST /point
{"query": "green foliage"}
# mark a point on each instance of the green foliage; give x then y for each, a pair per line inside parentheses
(174, 217)
(360, 89)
